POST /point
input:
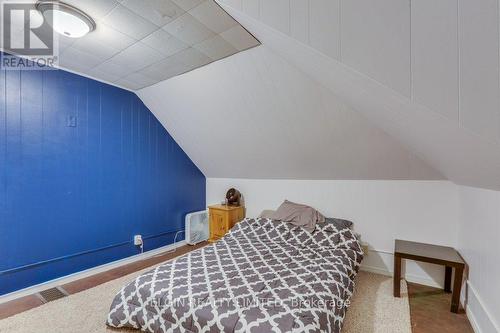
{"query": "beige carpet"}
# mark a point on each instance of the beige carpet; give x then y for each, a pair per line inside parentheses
(373, 310)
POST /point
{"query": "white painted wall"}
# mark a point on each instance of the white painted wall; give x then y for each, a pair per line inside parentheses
(424, 211)
(375, 40)
(478, 51)
(434, 45)
(479, 243)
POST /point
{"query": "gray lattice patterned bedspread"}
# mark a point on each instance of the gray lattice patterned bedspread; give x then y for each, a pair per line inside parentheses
(263, 276)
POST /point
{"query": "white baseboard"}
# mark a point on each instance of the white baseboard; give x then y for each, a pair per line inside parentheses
(473, 320)
(376, 270)
(88, 272)
(480, 318)
(381, 262)
(409, 277)
(422, 280)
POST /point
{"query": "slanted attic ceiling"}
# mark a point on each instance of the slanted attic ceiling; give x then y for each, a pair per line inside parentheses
(426, 74)
(253, 115)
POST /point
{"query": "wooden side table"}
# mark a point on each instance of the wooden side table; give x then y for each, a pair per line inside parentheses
(434, 254)
(222, 218)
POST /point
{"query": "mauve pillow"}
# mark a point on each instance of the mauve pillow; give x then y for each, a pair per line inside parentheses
(267, 214)
(298, 215)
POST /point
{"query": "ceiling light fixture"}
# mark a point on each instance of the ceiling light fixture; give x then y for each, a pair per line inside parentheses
(66, 19)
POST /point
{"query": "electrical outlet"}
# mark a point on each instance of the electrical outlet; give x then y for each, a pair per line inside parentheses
(137, 240)
(366, 248)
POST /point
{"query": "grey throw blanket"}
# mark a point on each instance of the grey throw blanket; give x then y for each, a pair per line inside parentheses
(263, 276)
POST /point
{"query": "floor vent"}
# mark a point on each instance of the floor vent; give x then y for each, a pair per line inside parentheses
(52, 294)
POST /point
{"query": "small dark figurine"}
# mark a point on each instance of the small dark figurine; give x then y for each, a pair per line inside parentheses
(233, 197)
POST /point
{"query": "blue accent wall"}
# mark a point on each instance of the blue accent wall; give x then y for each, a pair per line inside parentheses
(84, 166)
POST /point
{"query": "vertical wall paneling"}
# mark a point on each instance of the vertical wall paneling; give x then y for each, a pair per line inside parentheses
(84, 166)
(12, 151)
(3, 180)
(434, 48)
(324, 26)
(376, 40)
(252, 8)
(479, 248)
(299, 20)
(276, 14)
(479, 68)
(443, 55)
(237, 4)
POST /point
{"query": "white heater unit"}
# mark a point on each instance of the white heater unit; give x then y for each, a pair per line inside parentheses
(196, 227)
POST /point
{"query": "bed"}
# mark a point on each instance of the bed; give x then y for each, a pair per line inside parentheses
(264, 276)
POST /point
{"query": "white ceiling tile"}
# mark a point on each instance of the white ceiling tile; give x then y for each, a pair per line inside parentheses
(160, 12)
(191, 57)
(98, 48)
(137, 56)
(187, 4)
(239, 38)
(213, 16)
(112, 68)
(107, 35)
(132, 85)
(75, 56)
(188, 29)
(165, 69)
(140, 79)
(164, 42)
(105, 76)
(179, 63)
(128, 22)
(216, 48)
(160, 70)
(73, 66)
(97, 9)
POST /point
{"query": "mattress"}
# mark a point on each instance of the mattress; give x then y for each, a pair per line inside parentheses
(263, 276)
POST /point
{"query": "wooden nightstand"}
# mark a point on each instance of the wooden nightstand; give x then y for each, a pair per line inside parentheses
(222, 218)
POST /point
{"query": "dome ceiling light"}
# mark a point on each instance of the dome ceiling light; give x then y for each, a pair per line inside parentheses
(67, 20)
